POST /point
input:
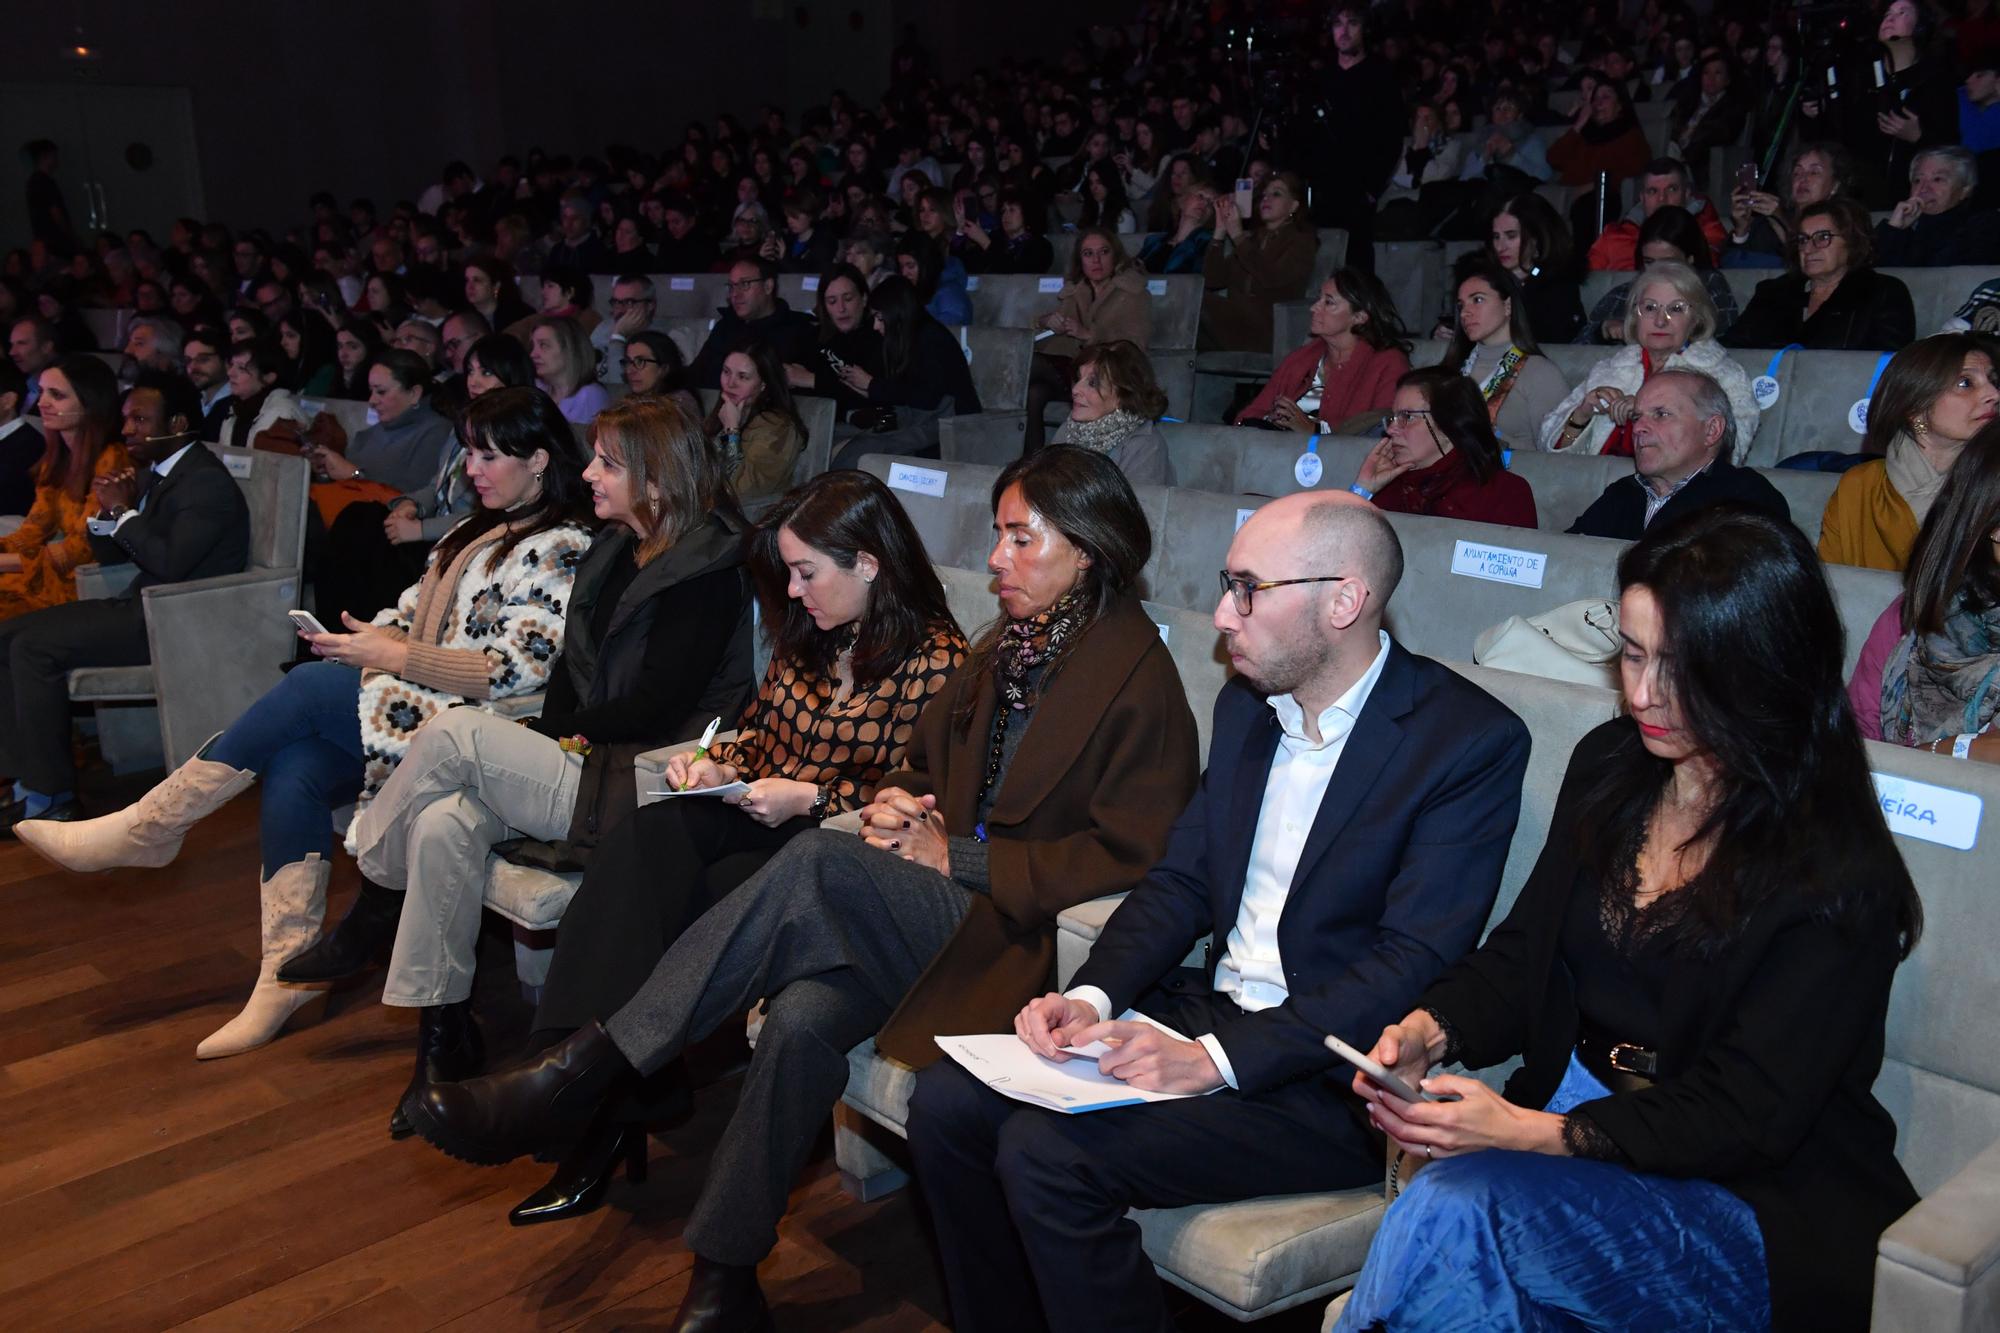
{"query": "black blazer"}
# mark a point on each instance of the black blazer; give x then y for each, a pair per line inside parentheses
(1868, 311)
(1396, 881)
(1620, 511)
(194, 525)
(1768, 1058)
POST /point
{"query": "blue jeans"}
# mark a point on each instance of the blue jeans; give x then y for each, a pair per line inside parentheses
(303, 741)
(1522, 1241)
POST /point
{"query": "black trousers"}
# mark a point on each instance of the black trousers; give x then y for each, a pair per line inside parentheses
(360, 571)
(1029, 1205)
(651, 876)
(37, 653)
(1048, 380)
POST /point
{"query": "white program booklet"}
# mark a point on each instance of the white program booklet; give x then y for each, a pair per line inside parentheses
(1003, 1062)
(726, 789)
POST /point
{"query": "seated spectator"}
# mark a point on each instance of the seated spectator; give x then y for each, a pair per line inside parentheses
(1708, 113)
(629, 250)
(1926, 670)
(1529, 239)
(1603, 137)
(491, 290)
(306, 339)
(656, 641)
(1931, 401)
(1019, 248)
(1513, 156)
(154, 342)
(1103, 299)
(203, 361)
(633, 309)
(808, 247)
(847, 337)
(755, 428)
(191, 523)
(80, 418)
(1939, 224)
(1115, 406)
(577, 244)
(653, 367)
(924, 377)
(1493, 347)
(861, 637)
(1684, 919)
(356, 344)
(1104, 201)
(1258, 267)
(1665, 182)
(1980, 313)
(1184, 249)
(683, 247)
(1438, 456)
(566, 367)
(1344, 377)
(1670, 325)
(1670, 236)
(868, 253)
(948, 933)
(1832, 298)
(257, 403)
(566, 294)
(755, 313)
(1328, 718)
(1683, 441)
(478, 627)
(939, 279)
(1430, 154)
(21, 445)
(33, 347)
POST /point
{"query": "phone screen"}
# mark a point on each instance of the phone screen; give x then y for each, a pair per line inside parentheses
(1746, 176)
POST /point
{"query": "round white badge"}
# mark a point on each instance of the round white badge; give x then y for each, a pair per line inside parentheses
(1308, 469)
(1765, 390)
(1857, 417)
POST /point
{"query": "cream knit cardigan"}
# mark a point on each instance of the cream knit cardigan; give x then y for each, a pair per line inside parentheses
(1623, 370)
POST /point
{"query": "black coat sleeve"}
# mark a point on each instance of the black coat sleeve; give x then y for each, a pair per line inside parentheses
(170, 541)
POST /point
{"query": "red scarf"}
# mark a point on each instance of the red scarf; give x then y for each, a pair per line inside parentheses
(1619, 441)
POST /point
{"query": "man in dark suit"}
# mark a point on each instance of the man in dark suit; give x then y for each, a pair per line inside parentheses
(1344, 847)
(180, 517)
(1683, 437)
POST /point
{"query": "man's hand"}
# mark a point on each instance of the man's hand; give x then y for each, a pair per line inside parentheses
(1149, 1059)
(116, 490)
(1047, 1024)
(1906, 213)
(629, 321)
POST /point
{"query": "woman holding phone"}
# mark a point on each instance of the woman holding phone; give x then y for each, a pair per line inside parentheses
(1697, 975)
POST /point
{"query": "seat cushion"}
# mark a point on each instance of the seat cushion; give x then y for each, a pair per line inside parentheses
(879, 1087)
(529, 897)
(1260, 1256)
(87, 684)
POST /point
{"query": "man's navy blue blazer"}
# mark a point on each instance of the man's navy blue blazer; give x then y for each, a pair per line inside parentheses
(1396, 881)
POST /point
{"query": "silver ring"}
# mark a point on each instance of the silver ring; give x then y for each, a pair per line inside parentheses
(1429, 1153)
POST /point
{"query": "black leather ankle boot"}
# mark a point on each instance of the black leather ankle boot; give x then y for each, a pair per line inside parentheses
(449, 1048)
(363, 935)
(723, 1298)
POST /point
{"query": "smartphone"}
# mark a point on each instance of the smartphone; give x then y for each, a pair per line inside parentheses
(1746, 177)
(1369, 1066)
(308, 622)
(833, 359)
(1245, 196)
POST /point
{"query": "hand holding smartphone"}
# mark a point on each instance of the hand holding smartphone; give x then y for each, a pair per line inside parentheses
(1389, 1082)
(307, 622)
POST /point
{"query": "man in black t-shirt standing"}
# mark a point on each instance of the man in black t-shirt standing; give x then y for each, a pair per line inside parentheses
(48, 216)
(1360, 138)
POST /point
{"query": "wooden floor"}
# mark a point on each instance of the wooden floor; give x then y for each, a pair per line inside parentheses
(143, 1189)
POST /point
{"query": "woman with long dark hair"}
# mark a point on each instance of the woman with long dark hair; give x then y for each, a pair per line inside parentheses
(1529, 239)
(1929, 674)
(847, 337)
(79, 411)
(1493, 346)
(484, 623)
(922, 366)
(306, 338)
(755, 428)
(356, 344)
(861, 639)
(1697, 977)
(1347, 371)
(1439, 456)
(1048, 772)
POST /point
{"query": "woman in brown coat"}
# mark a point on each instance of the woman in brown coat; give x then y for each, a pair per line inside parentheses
(1103, 300)
(1047, 773)
(1248, 272)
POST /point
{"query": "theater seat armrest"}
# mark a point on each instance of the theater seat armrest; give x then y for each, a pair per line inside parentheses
(1937, 1267)
(99, 581)
(517, 706)
(217, 645)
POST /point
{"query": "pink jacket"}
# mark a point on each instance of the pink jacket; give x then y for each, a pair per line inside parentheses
(1365, 383)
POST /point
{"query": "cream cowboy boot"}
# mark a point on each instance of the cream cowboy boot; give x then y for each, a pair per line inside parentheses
(294, 902)
(147, 832)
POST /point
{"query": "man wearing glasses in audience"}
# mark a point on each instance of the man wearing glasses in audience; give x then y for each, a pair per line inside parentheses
(1345, 846)
(633, 306)
(755, 313)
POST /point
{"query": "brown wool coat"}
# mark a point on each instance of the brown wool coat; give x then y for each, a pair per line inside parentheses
(1108, 763)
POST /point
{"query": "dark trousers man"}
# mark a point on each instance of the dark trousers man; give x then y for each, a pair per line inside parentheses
(37, 653)
(1029, 1204)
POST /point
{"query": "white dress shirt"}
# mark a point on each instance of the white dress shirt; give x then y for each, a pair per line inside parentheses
(1251, 972)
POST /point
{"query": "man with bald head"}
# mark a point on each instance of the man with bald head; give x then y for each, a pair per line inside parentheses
(1344, 847)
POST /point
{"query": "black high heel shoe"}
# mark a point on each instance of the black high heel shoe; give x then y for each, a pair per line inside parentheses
(579, 1184)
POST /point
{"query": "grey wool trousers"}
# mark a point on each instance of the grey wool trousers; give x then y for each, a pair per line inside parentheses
(833, 933)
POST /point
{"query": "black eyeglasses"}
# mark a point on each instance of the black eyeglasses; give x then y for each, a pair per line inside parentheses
(626, 363)
(1244, 590)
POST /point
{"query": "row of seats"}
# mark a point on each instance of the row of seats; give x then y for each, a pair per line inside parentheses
(1234, 460)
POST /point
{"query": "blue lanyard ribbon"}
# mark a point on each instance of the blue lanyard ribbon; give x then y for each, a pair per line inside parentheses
(1771, 371)
(1880, 366)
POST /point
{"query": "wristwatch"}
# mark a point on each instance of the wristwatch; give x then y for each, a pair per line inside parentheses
(821, 802)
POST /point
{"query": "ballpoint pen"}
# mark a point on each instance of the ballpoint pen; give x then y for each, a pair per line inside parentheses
(701, 746)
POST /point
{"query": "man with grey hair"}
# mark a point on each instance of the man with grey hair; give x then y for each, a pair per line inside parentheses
(1939, 224)
(633, 306)
(152, 343)
(1682, 439)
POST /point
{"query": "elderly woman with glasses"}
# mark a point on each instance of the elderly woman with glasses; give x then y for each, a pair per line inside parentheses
(1669, 325)
(1831, 298)
(1439, 456)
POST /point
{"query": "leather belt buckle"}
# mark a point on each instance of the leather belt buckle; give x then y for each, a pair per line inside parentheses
(1629, 1059)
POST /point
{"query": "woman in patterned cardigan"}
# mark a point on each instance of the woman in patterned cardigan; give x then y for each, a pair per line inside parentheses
(484, 623)
(861, 638)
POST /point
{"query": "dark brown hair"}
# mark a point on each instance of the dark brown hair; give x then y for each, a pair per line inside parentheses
(1850, 221)
(1954, 551)
(516, 422)
(1915, 379)
(96, 389)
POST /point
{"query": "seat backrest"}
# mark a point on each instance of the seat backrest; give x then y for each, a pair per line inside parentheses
(993, 438)
(107, 327)
(1937, 293)
(817, 413)
(1199, 657)
(1821, 389)
(800, 291)
(998, 360)
(969, 593)
(1017, 300)
(275, 488)
(1332, 254)
(352, 415)
(689, 332)
(684, 295)
(1412, 271)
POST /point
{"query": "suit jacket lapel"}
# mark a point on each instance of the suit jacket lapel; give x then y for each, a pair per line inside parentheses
(1377, 733)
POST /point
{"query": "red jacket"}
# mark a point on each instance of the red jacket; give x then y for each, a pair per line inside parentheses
(1365, 382)
(1446, 489)
(1617, 246)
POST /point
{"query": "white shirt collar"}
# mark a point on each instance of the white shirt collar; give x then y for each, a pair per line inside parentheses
(1339, 717)
(166, 465)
